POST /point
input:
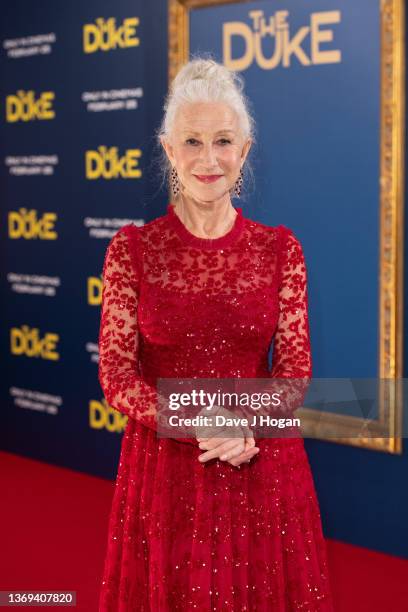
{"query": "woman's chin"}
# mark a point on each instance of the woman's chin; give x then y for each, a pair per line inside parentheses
(207, 194)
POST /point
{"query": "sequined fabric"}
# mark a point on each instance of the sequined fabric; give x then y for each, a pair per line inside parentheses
(185, 535)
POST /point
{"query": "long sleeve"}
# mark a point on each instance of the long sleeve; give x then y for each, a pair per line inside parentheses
(119, 371)
(292, 353)
(292, 359)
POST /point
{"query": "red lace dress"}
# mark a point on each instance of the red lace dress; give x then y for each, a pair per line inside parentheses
(185, 535)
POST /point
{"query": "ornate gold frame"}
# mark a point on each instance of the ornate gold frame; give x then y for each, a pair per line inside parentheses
(391, 264)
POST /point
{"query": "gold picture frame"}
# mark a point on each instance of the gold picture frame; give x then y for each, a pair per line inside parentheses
(352, 430)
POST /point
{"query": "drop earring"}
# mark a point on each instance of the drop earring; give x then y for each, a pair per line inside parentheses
(238, 184)
(175, 184)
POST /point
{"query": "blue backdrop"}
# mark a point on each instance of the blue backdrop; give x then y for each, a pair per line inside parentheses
(317, 158)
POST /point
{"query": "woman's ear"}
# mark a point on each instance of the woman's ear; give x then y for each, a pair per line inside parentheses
(245, 149)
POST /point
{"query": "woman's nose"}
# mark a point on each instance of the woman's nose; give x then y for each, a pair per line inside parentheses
(208, 155)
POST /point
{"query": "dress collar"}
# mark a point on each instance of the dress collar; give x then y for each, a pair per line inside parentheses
(206, 243)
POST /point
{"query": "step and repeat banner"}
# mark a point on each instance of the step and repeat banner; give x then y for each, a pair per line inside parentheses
(82, 93)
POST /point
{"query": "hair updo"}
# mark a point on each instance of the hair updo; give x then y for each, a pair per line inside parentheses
(203, 79)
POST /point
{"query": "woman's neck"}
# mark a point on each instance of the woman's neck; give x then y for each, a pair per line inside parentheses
(206, 219)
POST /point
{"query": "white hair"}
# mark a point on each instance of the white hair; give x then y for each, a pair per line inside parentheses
(202, 79)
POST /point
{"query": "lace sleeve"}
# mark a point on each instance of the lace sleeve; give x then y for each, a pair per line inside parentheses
(119, 369)
(292, 359)
(292, 352)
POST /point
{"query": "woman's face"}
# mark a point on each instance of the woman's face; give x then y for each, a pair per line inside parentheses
(206, 142)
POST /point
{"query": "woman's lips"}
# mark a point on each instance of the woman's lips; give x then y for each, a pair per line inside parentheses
(208, 178)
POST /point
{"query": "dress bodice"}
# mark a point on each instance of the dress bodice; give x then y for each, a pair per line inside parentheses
(208, 309)
(176, 305)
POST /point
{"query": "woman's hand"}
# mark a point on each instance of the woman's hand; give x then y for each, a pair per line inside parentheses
(239, 449)
(250, 451)
(233, 450)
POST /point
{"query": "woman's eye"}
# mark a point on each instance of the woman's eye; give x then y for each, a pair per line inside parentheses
(221, 140)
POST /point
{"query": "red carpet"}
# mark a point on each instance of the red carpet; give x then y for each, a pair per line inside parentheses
(53, 526)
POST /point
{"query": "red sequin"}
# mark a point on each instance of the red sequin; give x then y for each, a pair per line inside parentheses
(185, 535)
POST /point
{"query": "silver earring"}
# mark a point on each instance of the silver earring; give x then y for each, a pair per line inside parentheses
(238, 184)
(175, 184)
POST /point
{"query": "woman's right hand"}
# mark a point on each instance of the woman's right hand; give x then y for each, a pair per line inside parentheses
(245, 457)
(226, 449)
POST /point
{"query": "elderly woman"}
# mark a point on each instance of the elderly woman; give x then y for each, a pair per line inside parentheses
(207, 523)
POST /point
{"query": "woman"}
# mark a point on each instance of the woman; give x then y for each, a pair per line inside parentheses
(211, 523)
